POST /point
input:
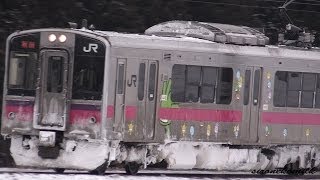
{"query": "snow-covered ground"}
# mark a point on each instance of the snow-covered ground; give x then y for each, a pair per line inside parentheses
(32, 176)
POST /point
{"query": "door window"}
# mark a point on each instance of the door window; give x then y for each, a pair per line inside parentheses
(247, 81)
(55, 74)
(256, 86)
(152, 81)
(141, 80)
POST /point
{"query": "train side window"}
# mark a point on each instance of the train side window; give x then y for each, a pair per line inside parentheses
(247, 80)
(308, 88)
(224, 89)
(294, 88)
(142, 70)
(317, 103)
(178, 83)
(88, 78)
(209, 78)
(152, 81)
(193, 78)
(22, 74)
(280, 89)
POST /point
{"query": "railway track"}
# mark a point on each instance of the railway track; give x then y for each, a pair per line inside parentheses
(148, 174)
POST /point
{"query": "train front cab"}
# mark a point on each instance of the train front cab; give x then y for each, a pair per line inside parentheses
(53, 99)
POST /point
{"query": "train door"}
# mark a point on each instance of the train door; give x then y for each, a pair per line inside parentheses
(140, 99)
(252, 100)
(52, 103)
(151, 99)
(120, 95)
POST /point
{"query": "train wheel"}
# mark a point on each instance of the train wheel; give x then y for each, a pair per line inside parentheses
(59, 170)
(132, 168)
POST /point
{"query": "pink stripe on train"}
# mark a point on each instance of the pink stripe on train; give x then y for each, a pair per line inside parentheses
(22, 113)
(290, 118)
(188, 114)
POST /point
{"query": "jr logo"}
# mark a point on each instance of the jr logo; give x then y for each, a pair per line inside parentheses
(92, 47)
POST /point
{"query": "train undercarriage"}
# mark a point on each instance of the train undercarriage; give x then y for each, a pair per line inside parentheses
(96, 156)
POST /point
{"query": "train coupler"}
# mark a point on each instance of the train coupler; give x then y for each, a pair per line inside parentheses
(47, 138)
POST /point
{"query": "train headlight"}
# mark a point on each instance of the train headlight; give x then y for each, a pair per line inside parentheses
(62, 38)
(92, 120)
(52, 37)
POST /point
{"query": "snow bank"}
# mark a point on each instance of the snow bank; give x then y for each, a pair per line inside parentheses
(73, 155)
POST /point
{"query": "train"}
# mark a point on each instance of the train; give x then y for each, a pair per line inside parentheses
(182, 95)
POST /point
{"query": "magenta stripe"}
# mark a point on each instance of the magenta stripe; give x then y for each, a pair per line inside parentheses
(200, 114)
(131, 113)
(290, 118)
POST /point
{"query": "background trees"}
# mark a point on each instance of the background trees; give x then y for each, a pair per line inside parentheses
(137, 15)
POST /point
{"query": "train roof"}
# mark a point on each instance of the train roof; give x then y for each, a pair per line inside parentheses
(223, 33)
(182, 42)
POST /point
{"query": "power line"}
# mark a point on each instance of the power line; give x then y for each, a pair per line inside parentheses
(305, 3)
(312, 4)
(303, 11)
(248, 6)
(229, 4)
(312, 0)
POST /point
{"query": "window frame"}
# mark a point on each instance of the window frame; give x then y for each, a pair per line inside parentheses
(300, 91)
(25, 89)
(200, 85)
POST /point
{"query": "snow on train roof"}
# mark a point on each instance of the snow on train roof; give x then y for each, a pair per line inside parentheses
(152, 37)
(183, 43)
(223, 33)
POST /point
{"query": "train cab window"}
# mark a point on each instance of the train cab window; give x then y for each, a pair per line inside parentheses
(224, 89)
(88, 77)
(208, 84)
(178, 83)
(308, 88)
(294, 88)
(22, 74)
(193, 78)
(142, 70)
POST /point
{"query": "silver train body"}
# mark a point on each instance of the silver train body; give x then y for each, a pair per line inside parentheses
(81, 99)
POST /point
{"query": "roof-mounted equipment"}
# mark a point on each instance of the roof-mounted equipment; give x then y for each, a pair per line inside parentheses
(221, 33)
(294, 35)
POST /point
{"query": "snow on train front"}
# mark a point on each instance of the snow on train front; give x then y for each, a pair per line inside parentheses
(53, 106)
